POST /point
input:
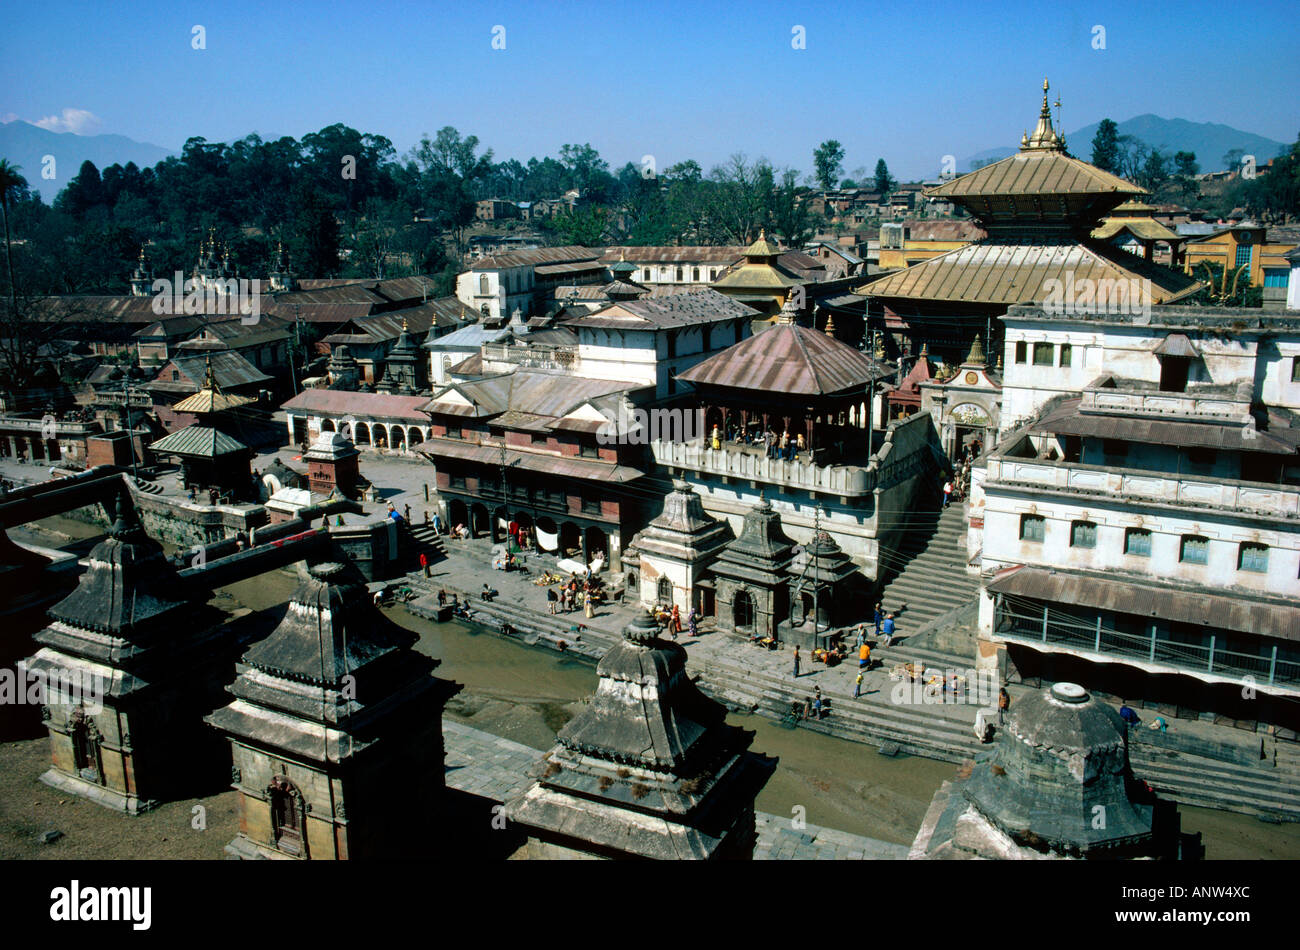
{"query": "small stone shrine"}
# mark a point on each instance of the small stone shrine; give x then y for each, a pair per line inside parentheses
(336, 731)
(1055, 784)
(674, 551)
(825, 583)
(131, 666)
(405, 368)
(650, 769)
(753, 593)
(332, 463)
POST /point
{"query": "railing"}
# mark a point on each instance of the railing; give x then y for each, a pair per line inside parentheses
(1144, 402)
(1277, 501)
(901, 452)
(1027, 622)
(541, 356)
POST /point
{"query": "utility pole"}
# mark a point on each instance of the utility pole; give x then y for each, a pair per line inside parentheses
(817, 533)
(126, 414)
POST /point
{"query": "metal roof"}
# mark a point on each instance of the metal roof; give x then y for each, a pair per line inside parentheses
(198, 442)
(1005, 273)
(787, 358)
(687, 254)
(1279, 438)
(338, 402)
(1035, 172)
(677, 310)
(556, 466)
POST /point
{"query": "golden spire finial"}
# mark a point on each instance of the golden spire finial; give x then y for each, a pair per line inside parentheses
(210, 383)
(403, 324)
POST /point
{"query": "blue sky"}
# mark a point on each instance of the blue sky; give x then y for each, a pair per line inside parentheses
(909, 82)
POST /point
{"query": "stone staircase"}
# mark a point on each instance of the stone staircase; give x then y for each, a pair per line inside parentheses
(423, 540)
(1265, 791)
(929, 571)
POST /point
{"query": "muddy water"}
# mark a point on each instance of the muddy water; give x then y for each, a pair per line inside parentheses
(527, 693)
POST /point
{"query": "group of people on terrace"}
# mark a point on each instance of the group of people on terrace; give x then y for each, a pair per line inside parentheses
(784, 446)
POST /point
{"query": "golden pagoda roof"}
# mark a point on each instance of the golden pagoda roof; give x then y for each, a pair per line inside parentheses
(762, 247)
(1144, 229)
(999, 273)
(1041, 168)
(209, 398)
(755, 276)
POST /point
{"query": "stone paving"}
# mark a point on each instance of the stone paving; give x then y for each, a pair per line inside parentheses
(488, 766)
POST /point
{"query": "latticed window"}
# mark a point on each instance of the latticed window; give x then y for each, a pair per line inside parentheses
(1137, 541)
(1253, 557)
(1043, 354)
(1067, 355)
(1195, 550)
(1243, 255)
(1083, 534)
(664, 590)
(1032, 527)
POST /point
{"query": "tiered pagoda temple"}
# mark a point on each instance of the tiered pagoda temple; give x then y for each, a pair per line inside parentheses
(336, 731)
(210, 455)
(1038, 208)
(760, 281)
(156, 661)
(650, 769)
(406, 369)
(826, 592)
(750, 576)
(1056, 783)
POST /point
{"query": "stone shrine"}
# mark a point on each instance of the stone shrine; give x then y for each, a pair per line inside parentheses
(650, 769)
(753, 593)
(1055, 784)
(673, 552)
(131, 665)
(336, 731)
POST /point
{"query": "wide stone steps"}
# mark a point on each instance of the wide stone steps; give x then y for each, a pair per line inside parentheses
(929, 576)
(1197, 781)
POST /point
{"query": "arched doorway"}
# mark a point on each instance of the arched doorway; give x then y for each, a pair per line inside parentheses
(457, 513)
(414, 436)
(742, 611)
(381, 436)
(362, 436)
(399, 437)
(548, 534)
(288, 816)
(86, 760)
(327, 425)
(478, 521)
(597, 544)
(570, 539)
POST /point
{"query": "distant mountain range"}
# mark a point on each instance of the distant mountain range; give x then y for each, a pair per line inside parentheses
(26, 145)
(1209, 140)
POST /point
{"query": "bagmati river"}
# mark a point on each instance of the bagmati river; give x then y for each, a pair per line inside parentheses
(526, 693)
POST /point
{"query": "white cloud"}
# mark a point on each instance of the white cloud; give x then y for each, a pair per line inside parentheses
(79, 121)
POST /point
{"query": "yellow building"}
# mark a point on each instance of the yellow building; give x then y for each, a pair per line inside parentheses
(1244, 246)
(905, 243)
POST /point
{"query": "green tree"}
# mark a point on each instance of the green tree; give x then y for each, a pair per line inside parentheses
(315, 240)
(828, 162)
(884, 181)
(10, 181)
(1105, 147)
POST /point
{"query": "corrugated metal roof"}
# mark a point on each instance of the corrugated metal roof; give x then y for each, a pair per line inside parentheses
(557, 466)
(1065, 419)
(688, 254)
(568, 267)
(198, 442)
(1003, 273)
(1144, 229)
(1217, 612)
(787, 358)
(362, 405)
(676, 310)
(535, 256)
